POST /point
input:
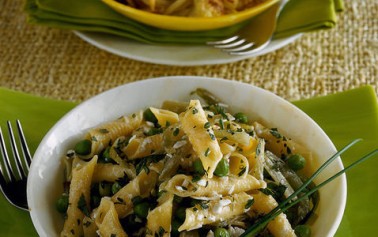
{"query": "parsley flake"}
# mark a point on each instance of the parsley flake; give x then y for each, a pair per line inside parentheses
(249, 203)
(82, 205)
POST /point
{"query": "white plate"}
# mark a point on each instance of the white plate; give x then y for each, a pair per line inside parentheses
(46, 172)
(171, 55)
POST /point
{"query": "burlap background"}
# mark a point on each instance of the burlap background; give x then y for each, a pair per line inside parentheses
(57, 64)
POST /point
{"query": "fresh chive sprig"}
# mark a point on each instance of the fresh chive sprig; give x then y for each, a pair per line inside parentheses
(289, 202)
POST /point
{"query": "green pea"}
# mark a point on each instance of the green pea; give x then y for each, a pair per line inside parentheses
(141, 209)
(222, 168)
(302, 231)
(116, 187)
(241, 117)
(181, 213)
(198, 167)
(296, 162)
(136, 200)
(149, 116)
(83, 147)
(62, 203)
(104, 189)
(221, 232)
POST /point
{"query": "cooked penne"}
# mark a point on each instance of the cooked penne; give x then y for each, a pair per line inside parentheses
(79, 197)
(111, 172)
(183, 185)
(145, 146)
(106, 133)
(159, 218)
(107, 220)
(279, 226)
(201, 136)
(216, 210)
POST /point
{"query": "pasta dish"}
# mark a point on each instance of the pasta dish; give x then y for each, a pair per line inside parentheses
(185, 169)
(192, 8)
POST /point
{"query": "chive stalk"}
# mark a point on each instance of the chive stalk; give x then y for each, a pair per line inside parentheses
(259, 225)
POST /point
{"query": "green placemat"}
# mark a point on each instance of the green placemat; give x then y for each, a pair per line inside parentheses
(344, 117)
(92, 15)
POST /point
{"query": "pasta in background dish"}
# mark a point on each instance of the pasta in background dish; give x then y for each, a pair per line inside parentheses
(185, 169)
(192, 8)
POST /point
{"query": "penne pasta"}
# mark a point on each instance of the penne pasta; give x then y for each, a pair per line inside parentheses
(215, 210)
(107, 133)
(202, 138)
(183, 185)
(79, 197)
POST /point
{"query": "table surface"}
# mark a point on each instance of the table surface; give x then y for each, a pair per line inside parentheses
(57, 64)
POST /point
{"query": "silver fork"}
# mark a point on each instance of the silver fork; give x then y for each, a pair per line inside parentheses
(14, 170)
(255, 36)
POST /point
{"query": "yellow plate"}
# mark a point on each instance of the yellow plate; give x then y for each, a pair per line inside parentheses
(181, 23)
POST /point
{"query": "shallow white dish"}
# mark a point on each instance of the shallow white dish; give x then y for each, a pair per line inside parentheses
(46, 172)
(171, 55)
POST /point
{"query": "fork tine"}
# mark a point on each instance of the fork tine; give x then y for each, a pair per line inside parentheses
(241, 48)
(24, 145)
(248, 52)
(7, 173)
(224, 41)
(16, 154)
(233, 44)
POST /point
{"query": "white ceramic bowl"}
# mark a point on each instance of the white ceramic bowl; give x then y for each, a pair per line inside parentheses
(46, 174)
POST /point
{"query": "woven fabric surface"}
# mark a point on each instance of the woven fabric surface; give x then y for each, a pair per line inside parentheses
(57, 64)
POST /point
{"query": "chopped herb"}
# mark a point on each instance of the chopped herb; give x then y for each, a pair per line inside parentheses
(242, 171)
(204, 205)
(221, 124)
(82, 205)
(93, 138)
(133, 115)
(149, 116)
(275, 133)
(207, 125)
(212, 136)
(154, 131)
(207, 152)
(87, 223)
(113, 235)
(195, 110)
(142, 165)
(223, 139)
(275, 190)
(144, 162)
(103, 130)
(241, 117)
(249, 203)
(167, 123)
